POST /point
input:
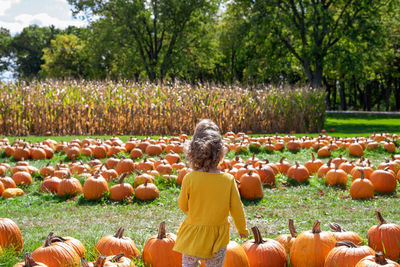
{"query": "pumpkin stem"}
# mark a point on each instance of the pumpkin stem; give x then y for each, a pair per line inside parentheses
(297, 164)
(101, 260)
(316, 227)
(123, 176)
(281, 160)
(362, 174)
(292, 230)
(257, 235)
(329, 162)
(117, 257)
(161, 231)
(380, 218)
(380, 259)
(137, 171)
(120, 232)
(84, 262)
(346, 243)
(29, 262)
(312, 156)
(47, 243)
(336, 227)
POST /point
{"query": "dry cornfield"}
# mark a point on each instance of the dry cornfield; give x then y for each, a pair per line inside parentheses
(110, 108)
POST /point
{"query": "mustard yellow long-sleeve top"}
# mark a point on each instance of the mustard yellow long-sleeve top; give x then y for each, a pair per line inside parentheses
(208, 198)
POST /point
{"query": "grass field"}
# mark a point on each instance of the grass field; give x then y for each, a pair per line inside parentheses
(37, 214)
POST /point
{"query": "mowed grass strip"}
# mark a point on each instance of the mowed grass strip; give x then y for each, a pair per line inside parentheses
(37, 214)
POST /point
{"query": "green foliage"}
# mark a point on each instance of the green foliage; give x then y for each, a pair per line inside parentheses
(5, 49)
(64, 58)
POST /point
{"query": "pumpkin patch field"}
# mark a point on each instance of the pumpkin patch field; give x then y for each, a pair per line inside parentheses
(310, 200)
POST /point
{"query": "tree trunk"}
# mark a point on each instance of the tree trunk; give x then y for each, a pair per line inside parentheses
(342, 96)
(397, 94)
(367, 96)
(328, 93)
(334, 96)
(388, 91)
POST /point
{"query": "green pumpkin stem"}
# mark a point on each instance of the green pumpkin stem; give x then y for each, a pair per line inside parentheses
(316, 227)
(346, 243)
(120, 232)
(257, 235)
(380, 259)
(292, 229)
(161, 231)
(380, 218)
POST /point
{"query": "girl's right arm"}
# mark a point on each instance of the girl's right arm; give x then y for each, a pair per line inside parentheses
(237, 211)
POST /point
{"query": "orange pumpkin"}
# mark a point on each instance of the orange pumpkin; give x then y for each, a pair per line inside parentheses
(362, 188)
(347, 254)
(125, 165)
(316, 243)
(22, 178)
(266, 174)
(157, 250)
(95, 187)
(235, 256)
(264, 252)
(343, 235)
(385, 237)
(356, 150)
(283, 166)
(121, 190)
(250, 186)
(287, 240)
(336, 177)
(12, 192)
(29, 262)
(375, 261)
(383, 181)
(50, 185)
(298, 173)
(313, 165)
(325, 168)
(115, 244)
(69, 186)
(10, 235)
(147, 191)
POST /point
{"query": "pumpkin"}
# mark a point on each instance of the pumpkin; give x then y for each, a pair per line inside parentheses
(136, 153)
(69, 186)
(8, 182)
(324, 151)
(100, 152)
(181, 174)
(235, 256)
(283, 166)
(383, 181)
(21, 153)
(343, 235)
(325, 168)
(141, 178)
(109, 174)
(385, 237)
(147, 191)
(73, 152)
(47, 170)
(50, 185)
(316, 243)
(356, 150)
(293, 146)
(29, 262)
(115, 244)
(110, 261)
(264, 252)
(125, 165)
(287, 240)
(339, 160)
(313, 165)
(355, 172)
(153, 150)
(10, 235)
(336, 177)
(250, 186)
(172, 157)
(145, 165)
(298, 173)
(95, 187)
(157, 251)
(362, 188)
(375, 261)
(70, 241)
(347, 166)
(266, 174)
(12, 192)
(56, 254)
(164, 168)
(347, 254)
(121, 190)
(22, 178)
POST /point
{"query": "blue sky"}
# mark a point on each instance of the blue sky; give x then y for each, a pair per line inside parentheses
(17, 14)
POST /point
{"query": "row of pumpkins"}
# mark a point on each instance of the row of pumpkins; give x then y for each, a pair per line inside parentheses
(323, 145)
(315, 248)
(251, 175)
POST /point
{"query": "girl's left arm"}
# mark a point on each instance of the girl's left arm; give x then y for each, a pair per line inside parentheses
(183, 199)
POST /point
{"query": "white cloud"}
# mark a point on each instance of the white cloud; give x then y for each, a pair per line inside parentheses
(41, 19)
(6, 4)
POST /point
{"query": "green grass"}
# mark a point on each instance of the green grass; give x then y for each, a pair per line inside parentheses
(37, 214)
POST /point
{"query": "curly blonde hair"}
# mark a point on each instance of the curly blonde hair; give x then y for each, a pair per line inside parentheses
(206, 148)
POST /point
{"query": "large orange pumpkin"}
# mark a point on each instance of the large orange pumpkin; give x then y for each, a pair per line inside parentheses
(384, 181)
(95, 187)
(310, 248)
(115, 244)
(376, 260)
(235, 256)
(264, 252)
(250, 186)
(157, 251)
(385, 237)
(298, 173)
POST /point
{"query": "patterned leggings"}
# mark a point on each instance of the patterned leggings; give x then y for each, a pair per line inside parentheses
(216, 261)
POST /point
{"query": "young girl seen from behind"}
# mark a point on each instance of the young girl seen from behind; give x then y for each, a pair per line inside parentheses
(207, 196)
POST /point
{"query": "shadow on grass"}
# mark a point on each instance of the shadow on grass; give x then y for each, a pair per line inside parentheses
(251, 202)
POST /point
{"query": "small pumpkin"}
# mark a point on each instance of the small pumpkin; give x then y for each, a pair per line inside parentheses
(95, 187)
(121, 190)
(376, 260)
(29, 262)
(22, 178)
(250, 186)
(50, 185)
(313, 165)
(287, 240)
(298, 173)
(283, 166)
(12, 192)
(69, 186)
(336, 177)
(115, 244)
(147, 191)
(362, 188)
(343, 235)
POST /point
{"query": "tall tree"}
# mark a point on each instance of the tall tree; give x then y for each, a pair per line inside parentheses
(5, 49)
(156, 26)
(311, 28)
